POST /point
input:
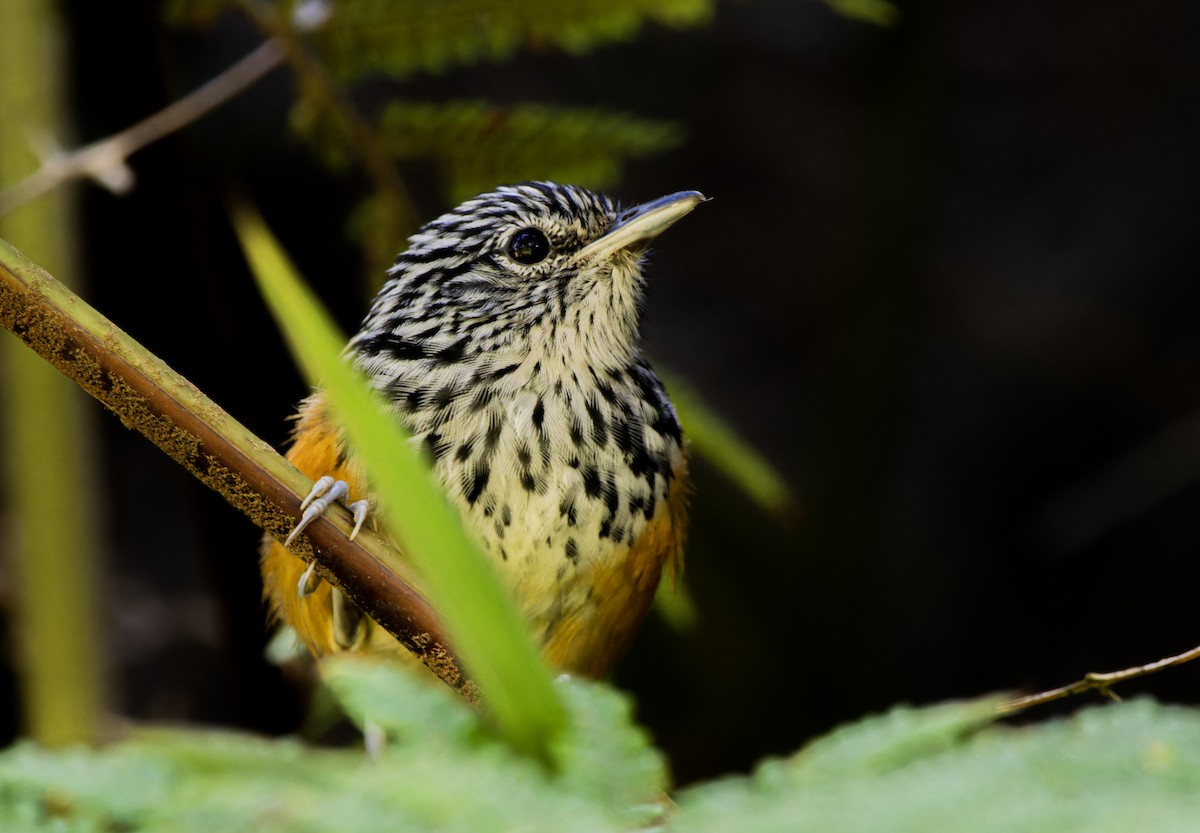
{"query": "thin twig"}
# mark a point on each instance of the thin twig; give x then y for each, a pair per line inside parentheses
(1097, 681)
(151, 398)
(105, 160)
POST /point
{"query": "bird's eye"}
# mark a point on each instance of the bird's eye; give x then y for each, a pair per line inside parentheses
(528, 246)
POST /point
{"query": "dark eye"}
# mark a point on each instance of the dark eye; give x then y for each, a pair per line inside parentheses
(528, 246)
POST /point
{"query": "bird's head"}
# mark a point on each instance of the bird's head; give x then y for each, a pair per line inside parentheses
(522, 269)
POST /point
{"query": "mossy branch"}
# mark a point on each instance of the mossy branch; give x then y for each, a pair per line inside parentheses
(151, 398)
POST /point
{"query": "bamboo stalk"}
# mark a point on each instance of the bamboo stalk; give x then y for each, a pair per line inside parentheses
(46, 448)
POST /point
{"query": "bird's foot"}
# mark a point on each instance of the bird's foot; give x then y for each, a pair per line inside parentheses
(325, 492)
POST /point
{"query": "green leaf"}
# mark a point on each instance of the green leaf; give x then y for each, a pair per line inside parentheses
(881, 744)
(183, 781)
(477, 145)
(711, 437)
(368, 36)
(607, 757)
(602, 756)
(1111, 769)
(404, 705)
(484, 625)
(879, 12)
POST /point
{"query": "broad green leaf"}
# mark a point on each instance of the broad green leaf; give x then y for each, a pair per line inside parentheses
(602, 756)
(443, 771)
(1110, 769)
(184, 781)
(485, 627)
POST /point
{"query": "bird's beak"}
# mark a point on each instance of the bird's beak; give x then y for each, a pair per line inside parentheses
(641, 224)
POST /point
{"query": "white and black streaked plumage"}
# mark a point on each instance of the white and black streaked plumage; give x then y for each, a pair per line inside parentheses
(508, 340)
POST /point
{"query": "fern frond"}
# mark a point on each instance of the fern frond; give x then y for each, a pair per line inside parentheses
(368, 36)
(477, 145)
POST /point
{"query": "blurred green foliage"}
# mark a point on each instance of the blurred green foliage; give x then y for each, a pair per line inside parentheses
(477, 145)
(879, 12)
(442, 769)
(1109, 769)
(1115, 768)
(368, 36)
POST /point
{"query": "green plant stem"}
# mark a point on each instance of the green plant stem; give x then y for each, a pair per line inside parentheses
(46, 436)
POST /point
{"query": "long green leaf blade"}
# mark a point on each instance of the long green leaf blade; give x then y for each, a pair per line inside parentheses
(711, 437)
(484, 625)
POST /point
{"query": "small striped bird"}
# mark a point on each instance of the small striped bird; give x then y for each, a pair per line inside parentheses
(508, 340)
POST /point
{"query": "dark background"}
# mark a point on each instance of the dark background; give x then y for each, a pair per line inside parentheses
(947, 285)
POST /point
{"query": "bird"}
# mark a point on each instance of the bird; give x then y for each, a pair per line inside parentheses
(507, 340)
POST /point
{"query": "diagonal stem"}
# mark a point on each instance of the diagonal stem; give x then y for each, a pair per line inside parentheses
(151, 398)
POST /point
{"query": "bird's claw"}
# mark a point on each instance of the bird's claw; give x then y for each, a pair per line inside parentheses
(324, 493)
(309, 581)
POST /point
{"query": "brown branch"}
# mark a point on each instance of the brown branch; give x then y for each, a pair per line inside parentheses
(105, 160)
(151, 398)
(1097, 681)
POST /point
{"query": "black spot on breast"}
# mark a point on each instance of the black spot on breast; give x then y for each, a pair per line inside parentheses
(539, 413)
(610, 395)
(464, 450)
(435, 445)
(524, 456)
(639, 462)
(572, 550)
(501, 372)
(651, 502)
(476, 482)
(506, 515)
(622, 436)
(567, 509)
(667, 425)
(492, 436)
(576, 432)
(528, 483)
(591, 481)
(612, 497)
(451, 353)
(482, 397)
(599, 424)
(394, 346)
(442, 397)
(606, 527)
(503, 554)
